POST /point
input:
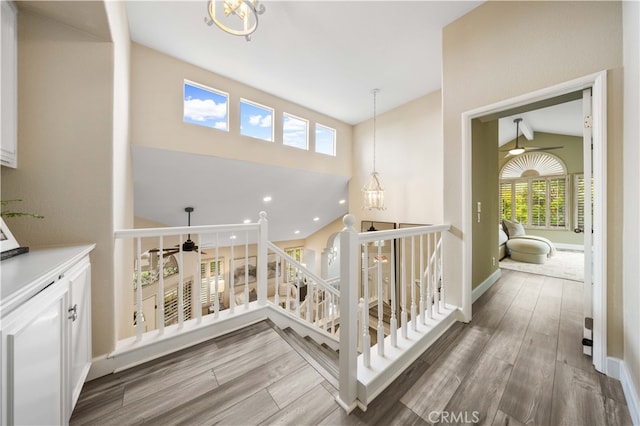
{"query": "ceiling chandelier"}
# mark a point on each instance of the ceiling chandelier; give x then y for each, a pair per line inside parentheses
(237, 17)
(373, 192)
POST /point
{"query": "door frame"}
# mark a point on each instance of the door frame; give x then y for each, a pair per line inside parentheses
(598, 84)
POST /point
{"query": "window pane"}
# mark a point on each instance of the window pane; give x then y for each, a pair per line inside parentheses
(538, 203)
(256, 120)
(557, 202)
(506, 193)
(325, 140)
(522, 202)
(295, 131)
(205, 106)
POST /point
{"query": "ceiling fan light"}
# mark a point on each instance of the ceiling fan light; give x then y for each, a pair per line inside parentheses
(516, 151)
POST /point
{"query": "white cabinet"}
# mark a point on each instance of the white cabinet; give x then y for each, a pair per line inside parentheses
(8, 85)
(45, 334)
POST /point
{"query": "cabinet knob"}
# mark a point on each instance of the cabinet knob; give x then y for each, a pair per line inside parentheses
(73, 311)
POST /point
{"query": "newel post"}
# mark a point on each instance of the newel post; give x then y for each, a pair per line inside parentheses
(262, 259)
(348, 379)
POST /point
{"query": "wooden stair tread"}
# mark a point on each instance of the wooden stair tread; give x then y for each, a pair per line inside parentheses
(322, 358)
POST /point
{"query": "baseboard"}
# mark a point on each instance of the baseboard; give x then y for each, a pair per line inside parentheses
(631, 394)
(100, 366)
(485, 285)
(571, 247)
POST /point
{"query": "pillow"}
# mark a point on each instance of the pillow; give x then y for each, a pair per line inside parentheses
(513, 229)
(502, 236)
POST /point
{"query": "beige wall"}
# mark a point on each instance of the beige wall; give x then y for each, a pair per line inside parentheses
(631, 211)
(554, 42)
(157, 110)
(485, 191)
(65, 139)
(408, 158)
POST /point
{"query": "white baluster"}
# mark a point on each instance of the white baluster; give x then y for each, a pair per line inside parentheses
(198, 280)
(216, 295)
(160, 320)
(365, 297)
(380, 303)
(403, 288)
(366, 339)
(436, 288)
(429, 278)
(414, 313)
(232, 281)
(393, 323)
(421, 271)
(440, 278)
(180, 285)
(139, 323)
(276, 284)
(246, 271)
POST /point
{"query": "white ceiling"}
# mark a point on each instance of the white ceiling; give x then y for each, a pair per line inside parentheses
(223, 191)
(561, 119)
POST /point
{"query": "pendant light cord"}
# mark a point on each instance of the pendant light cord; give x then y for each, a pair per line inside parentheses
(375, 91)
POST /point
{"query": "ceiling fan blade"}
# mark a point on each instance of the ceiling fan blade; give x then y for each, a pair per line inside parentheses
(541, 148)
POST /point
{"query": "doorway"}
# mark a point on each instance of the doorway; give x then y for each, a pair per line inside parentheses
(596, 84)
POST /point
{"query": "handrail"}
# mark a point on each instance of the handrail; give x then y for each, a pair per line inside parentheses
(181, 230)
(388, 234)
(304, 269)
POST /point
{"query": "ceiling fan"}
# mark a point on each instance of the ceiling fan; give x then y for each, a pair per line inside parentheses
(517, 149)
(188, 245)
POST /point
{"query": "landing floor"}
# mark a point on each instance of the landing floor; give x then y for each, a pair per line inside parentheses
(519, 361)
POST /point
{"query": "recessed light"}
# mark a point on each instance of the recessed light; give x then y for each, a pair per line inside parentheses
(296, 232)
(342, 201)
(267, 198)
(233, 237)
(247, 221)
(315, 219)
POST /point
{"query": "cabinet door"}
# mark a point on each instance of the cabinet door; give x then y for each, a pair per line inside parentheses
(79, 329)
(35, 348)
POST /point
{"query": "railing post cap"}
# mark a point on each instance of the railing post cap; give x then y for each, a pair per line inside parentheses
(349, 220)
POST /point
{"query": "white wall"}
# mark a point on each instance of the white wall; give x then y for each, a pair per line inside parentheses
(122, 170)
(408, 159)
(631, 206)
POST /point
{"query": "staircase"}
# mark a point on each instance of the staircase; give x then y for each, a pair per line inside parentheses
(319, 356)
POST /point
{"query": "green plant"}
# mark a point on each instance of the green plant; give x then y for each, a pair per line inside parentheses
(11, 213)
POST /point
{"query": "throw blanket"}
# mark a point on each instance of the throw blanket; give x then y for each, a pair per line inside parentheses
(552, 248)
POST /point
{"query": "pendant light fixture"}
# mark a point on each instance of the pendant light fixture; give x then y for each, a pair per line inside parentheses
(373, 192)
(517, 150)
(237, 17)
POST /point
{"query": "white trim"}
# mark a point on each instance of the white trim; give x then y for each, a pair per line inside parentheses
(597, 82)
(618, 367)
(486, 285)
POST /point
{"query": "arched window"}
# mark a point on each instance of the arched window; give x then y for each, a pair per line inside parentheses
(534, 191)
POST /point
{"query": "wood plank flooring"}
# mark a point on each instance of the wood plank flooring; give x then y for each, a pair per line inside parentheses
(518, 362)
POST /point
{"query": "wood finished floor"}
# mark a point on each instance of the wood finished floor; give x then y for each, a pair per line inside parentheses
(518, 362)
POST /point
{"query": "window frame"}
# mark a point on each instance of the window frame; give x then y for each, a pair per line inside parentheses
(295, 117)
(261, 106)
(334, 142)
(208, 89)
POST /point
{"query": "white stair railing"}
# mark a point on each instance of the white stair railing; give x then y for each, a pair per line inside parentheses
(423, 308)
(306, 296)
